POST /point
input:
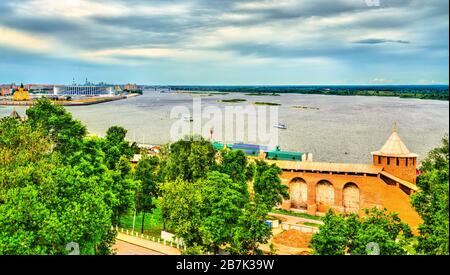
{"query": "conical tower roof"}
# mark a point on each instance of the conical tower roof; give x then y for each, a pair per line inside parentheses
(394, 146)
(15, 114)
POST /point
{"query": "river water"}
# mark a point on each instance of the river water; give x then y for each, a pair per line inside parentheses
(336, 129)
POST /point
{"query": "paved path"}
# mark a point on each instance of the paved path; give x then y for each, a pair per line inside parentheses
(147, 244)
(283, 250)
(294, 219)
(124, 248)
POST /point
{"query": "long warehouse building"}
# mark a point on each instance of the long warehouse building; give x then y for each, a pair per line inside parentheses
(83, 90)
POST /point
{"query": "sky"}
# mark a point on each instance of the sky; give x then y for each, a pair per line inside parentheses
(225, 42)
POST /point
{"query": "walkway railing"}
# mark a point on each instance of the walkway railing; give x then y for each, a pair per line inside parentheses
(175, 244)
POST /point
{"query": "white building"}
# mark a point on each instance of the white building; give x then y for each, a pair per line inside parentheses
(83, 90)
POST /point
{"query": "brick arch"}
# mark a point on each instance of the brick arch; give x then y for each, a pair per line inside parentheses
(324, 195)
(351, 197)
(298, 192)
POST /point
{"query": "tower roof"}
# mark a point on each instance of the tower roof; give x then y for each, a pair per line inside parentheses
(14, 114)
(394, 146)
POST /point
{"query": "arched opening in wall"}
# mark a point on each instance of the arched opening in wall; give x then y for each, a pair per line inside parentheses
(298, 192)
(324, 195)
(351, 198)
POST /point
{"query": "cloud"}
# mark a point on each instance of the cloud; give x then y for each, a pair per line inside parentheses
(381, 81)
(22, 40)
(373, 41)
(216, 33)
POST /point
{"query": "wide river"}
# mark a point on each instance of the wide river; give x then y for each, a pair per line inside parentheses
(335, 129)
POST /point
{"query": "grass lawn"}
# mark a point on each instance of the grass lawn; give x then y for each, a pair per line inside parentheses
(296, 214)
(311, 224)
(153, 223)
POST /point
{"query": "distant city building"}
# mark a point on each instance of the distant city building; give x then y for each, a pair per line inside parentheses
(118, 89)
(5, 90)
(41, 88)
(83, 90)
(131, 87)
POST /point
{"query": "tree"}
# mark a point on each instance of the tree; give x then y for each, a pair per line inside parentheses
(116, 134)
(333, 237)
(58, 124)
(189, 159)
(235, 165)
(251, 231)
(267, 184)
(384, 229)
(207, 202)
(115, 146)
(58, 187)
(431, 202)
(352, 234)
(220, 209)
(46, 203)
(181, 202)
(123, 188)
(147, 172)
(21, 143)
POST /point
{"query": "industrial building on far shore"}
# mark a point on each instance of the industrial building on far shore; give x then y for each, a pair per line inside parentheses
(87, 89)
(78, 90)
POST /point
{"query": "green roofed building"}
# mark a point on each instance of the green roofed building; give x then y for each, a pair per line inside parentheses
(218, 146)
(254, 150)
(284, 155)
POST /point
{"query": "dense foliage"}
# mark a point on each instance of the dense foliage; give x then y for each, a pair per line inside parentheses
(352, 234)
(58, 186)
(209, 205)
(189, 159)
(431, 202)
(267, 184)
(65, 132)
(148, 172)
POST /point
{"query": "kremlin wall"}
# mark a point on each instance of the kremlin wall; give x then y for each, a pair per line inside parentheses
(388, 182)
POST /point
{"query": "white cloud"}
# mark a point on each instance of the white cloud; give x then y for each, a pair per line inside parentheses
(89, 8)
(24, 41)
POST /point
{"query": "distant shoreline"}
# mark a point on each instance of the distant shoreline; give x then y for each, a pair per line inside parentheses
(82, 102)
(436, 92)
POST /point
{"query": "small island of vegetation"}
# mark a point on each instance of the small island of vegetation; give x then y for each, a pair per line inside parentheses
(305, 108)
(262, 94)
(267, 103)
(234, 100)
(199, 93)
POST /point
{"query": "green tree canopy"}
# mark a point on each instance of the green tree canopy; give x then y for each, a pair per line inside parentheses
(57, 186)
(181, 202)
(267, 184)
(251, 230)
(431, 202)
(148, 173)
(235, 165)
(189, 159)
(58, 124)
(45, 203)
(115, 146)
(354, 235)
(220, 209)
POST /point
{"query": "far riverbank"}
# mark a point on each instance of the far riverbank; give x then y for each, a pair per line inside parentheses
(76, 102)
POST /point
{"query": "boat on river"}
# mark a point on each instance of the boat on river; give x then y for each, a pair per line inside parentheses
(280, 126)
